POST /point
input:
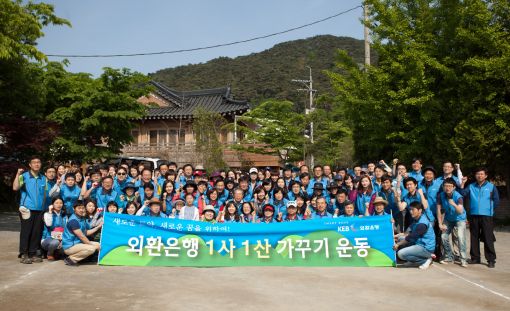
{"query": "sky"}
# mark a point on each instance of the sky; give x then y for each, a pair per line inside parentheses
(128, 26)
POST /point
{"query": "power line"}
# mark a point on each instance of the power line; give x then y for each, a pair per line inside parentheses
(206, 47)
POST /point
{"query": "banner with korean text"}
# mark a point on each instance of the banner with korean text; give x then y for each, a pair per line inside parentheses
(150, 241)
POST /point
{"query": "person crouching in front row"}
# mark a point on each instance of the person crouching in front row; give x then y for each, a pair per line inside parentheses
(419, 240)
(75, 243)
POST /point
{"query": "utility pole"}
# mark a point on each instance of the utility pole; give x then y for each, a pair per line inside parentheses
(367, 41)
(309, 88)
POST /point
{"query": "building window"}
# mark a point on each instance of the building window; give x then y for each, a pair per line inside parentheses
(162, 137)
(172, 137)
(135, 137)
(182, 136)
(153, 138)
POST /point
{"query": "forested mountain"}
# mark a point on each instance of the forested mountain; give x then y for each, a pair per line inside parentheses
(267, 74)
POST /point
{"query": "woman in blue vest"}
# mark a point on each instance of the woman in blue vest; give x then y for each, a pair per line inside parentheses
(75, 243)
(418, 241)
(54, 222)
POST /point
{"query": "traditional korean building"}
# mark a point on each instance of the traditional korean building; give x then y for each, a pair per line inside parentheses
(166, 131)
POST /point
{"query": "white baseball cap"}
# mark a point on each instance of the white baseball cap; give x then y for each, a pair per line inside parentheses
(254, 170)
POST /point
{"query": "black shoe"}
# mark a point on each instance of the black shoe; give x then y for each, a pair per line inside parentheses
(68, 261)
(36, 259)
(25, 259)
(491, 264)
(473, 262)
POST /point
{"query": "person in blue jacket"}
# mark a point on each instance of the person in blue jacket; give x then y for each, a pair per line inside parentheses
(54, 222)
(34, 194)
(483, 199)
(451, 214)
(418, 241)
(75, 243)
(321, 211)
(379, 207)
(69, 191)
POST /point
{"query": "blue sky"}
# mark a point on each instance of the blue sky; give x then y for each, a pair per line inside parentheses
(128, 26)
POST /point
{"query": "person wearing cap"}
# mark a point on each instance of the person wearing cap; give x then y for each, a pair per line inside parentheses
(208, 214)
(319, 190)
(379, 207)
(318, 178)
(153, 209)
(75, 243)
(414, 194)
(389, 194)
(268, 214)
(189, 211)
(416, 173)
(291, 215)
(254, 181)
(54, 222)
(332, 191)
(417, 244)
(128, 195)
(177, 206)
(349, 209)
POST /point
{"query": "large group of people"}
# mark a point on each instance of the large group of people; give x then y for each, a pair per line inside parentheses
(62, 207)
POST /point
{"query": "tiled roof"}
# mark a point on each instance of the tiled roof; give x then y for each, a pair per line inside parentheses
(182, 104)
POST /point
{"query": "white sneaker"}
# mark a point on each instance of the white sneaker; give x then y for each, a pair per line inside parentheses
(426, 264)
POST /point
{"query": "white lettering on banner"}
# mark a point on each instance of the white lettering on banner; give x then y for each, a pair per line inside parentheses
(300, 248)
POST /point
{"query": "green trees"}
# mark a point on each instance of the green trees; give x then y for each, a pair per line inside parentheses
(49, 111)
(97, 121)
(207, 127)
(441, 87)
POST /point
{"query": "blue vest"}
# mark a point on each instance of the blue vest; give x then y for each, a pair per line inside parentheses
(69, 239)
(361, 199)
(408, 198)
(480, 199)
(430, 193)
(428, 240)
(59, 220)
(69, 196)
(450, 213)
(33, 192)
(102, 199)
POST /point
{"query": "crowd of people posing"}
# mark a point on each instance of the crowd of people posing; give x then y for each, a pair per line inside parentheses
(61, 208)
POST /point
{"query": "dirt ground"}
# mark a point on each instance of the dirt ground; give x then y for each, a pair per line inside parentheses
(54, 286)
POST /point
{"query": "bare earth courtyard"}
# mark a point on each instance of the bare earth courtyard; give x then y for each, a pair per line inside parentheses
(54, 286)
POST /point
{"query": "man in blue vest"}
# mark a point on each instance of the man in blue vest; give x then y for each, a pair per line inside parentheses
(420, 238)
(75, 243)
(34, 194)
(483, 199)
